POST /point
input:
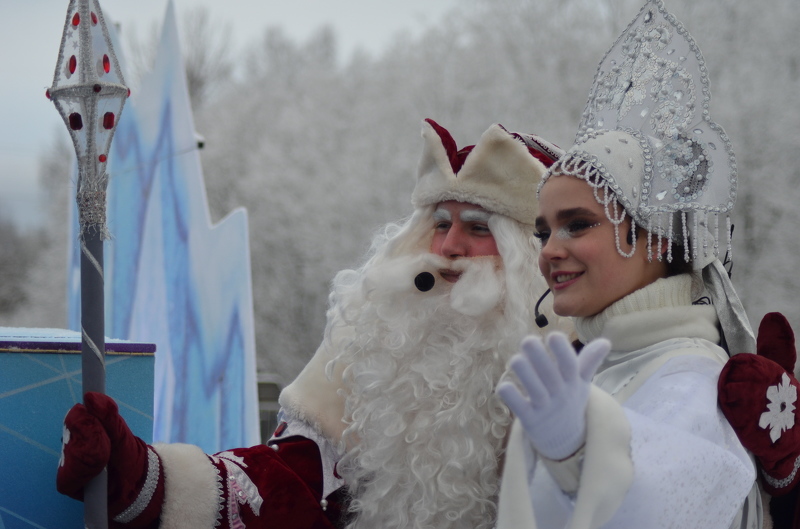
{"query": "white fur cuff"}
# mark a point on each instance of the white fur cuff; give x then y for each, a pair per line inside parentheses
(191, 487)
(607, 471)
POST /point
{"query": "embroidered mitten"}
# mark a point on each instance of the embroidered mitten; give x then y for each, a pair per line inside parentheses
(758, 395)
(96, 436)
(557, 382)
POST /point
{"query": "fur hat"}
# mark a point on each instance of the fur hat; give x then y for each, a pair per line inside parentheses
(500, 173)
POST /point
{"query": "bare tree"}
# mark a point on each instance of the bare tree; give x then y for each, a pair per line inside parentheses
(207, 49)
(35, 272)
(15, 264)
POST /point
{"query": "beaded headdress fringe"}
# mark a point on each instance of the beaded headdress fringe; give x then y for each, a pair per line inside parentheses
(697, 232)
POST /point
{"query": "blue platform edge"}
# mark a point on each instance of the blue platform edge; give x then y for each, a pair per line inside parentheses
(40, 380)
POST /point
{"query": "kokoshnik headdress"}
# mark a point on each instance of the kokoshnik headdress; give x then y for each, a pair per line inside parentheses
(647, 141)
(647, 134)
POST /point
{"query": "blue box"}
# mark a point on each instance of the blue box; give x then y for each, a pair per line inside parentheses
(40, 380)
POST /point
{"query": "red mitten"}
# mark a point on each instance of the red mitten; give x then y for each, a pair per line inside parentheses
(776, 341)
(758, 395)
(95, 435)
(85, 451)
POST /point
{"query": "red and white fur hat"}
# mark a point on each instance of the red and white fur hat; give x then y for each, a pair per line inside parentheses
(500, 173)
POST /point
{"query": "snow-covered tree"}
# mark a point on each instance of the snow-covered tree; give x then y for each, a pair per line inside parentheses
(322, 150)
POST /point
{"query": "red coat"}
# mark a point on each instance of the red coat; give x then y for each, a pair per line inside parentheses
(279, 485)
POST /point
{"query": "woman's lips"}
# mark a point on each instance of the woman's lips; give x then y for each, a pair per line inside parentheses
(562, 280)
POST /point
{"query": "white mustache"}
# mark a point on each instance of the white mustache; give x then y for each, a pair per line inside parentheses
(478, 289)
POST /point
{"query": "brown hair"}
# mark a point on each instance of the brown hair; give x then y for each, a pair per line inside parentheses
(678, 265)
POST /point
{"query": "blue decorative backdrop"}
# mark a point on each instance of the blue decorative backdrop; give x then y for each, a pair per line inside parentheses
(40, 380)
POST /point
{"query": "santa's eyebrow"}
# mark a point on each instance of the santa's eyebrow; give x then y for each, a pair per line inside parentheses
(475, 215)
(441, 214)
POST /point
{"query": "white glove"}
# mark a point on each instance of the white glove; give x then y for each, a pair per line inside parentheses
(557, 383)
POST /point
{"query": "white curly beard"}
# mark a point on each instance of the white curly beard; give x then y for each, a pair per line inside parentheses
(424, 425)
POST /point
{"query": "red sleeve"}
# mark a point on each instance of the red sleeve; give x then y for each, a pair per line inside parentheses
(276, 486)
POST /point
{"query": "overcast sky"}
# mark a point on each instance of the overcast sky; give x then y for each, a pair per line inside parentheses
(29, 48)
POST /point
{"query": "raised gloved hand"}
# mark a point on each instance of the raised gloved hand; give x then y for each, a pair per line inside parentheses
(96, 436)
(557, 381)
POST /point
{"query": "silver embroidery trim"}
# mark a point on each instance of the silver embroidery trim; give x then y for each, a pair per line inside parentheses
(220, 490)
(245, 484)
(781, 483)
(146, 494)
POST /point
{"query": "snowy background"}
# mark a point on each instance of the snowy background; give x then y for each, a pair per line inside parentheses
(319, 141)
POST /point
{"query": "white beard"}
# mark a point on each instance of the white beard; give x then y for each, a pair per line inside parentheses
(425, 428)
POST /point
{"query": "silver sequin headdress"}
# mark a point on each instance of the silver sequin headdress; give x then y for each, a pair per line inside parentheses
(646, 136)
(647, 141)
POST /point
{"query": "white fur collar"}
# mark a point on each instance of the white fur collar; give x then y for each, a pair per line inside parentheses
(314, 398)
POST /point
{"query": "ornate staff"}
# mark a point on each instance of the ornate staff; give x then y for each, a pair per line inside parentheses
(89, 93)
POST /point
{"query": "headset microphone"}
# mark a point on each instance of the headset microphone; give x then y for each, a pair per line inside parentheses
(424, 281)
(540, 319)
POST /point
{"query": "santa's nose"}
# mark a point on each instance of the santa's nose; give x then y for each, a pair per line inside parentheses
(455, 245)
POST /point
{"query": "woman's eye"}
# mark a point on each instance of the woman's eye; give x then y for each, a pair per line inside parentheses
(542, 236)
(575, 227)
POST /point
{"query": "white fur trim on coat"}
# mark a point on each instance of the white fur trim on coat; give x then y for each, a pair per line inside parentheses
(316, 399)
(192, 491)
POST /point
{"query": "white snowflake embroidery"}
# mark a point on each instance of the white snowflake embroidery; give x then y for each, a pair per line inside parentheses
(780, 416)
(64, 441)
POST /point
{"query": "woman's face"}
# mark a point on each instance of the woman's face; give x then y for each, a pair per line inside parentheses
(579, 258)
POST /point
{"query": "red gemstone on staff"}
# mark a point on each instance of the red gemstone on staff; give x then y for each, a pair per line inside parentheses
(94, 18)
(97, 88)
(75, 121)
(102, 158)
(106, 64)
(47, 93)
(73, 64)
(108, 120)
(76, 19)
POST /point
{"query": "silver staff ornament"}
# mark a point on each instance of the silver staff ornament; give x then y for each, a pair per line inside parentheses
(89, 92)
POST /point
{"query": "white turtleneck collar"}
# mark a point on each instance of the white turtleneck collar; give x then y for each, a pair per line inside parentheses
(647, 328)
(672, 291)
(631, 323)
